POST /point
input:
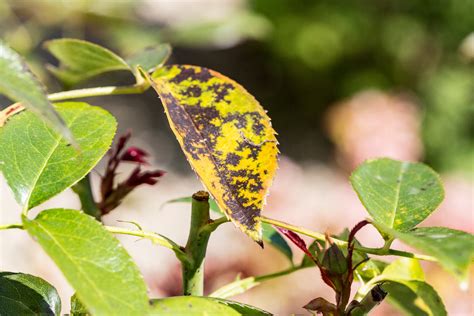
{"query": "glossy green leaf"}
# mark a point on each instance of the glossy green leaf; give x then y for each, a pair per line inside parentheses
(454, 249)
(403, 280)
(401, 270)
(81, 60)
(397, 194)
(404, 269)
(197, 306)
(150, 58)
(19, 84)
(25, 294)
(97, 266)
(415, 298)
(269, 234)
(38, 164)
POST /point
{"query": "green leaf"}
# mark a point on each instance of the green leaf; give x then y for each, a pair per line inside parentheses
(415, 298)
(269, 234)
(454, 249)
(397, 194)
(243, 309)
(25, 294)
(81, 60)
(403, 269)
(196, 306)
(226, 136)
(77, 308)
(19, 84)
(150, 58)
(38, 164)
(370, 269)
(103, 274)
(403, 279)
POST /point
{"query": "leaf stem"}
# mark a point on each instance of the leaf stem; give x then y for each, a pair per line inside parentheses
(11, 226)
(154, 237)
(384, 251)
(98, 91)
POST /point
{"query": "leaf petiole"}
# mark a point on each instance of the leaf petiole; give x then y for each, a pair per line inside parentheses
(99, 91)
(374, 251)
(11, 226)
(154, 237)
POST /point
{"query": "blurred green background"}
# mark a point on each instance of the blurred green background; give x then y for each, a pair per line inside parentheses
(296, 57)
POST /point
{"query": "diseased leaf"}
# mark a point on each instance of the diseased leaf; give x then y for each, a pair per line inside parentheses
(25, 294)
(226, 136)
(397, 194)
(270, 234)
(415, 298)
(150, 58)
(453, 248)
(81, 60)
(19, 84)
(38, 164)
(105, 278)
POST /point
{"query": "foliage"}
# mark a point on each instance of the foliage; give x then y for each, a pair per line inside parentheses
(19, 84)
(295, 48)
(25, 294)
(34, 178)
(229, 142)
(226, 136)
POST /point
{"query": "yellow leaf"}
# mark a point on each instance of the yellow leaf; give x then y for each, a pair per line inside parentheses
(226, 136)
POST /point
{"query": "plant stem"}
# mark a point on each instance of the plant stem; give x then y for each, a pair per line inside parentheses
(84, 190)
(318, 236)
(193, 270)
(98, 91)
(11, 226)
(154, 237)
